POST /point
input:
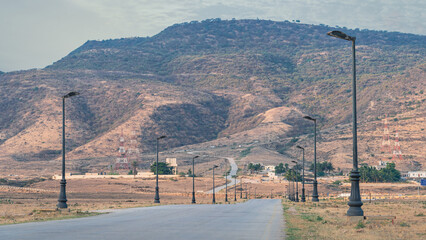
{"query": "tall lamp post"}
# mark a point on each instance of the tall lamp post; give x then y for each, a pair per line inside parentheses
(226, 187)
(303, 199)
(297, 184)
(293, 197)
(157, 193)
(193, 180)
(235, 188)
(214, 199)
(291, 187)
(355, 202)
(315, 184)
(248, 189)
(294, 189)
(288, 189)
(241, 188)
(62, 201)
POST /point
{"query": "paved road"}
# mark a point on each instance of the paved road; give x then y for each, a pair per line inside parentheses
(256, 219)
(234, 169)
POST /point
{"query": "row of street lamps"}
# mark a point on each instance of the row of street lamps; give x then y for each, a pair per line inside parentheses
(291, 193)
(354, 203)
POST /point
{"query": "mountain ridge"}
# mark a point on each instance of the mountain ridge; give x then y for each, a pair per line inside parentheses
(235, 81)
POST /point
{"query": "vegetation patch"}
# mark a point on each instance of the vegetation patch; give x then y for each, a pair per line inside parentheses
(21, 183)
(327, 220)
(245, 152)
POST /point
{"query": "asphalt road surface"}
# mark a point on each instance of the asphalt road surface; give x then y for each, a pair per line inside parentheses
(254, 219)
(234, 169)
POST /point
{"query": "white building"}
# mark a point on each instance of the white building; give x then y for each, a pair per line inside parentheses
(270, 168)
(173, 163)
(416, 174)
(382, 164)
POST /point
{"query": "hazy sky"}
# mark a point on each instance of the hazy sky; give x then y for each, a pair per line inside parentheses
(36, 33)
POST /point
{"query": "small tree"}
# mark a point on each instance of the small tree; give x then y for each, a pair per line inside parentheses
(163, 168)
(292, 174)
(134, 166)
(254, 167)
(322, 168)
(390, 174)
(190, 173)
(280, 168)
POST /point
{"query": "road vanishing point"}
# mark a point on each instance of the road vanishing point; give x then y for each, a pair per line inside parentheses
(254, 219)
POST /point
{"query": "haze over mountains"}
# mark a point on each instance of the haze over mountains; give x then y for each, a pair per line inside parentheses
(220, 83)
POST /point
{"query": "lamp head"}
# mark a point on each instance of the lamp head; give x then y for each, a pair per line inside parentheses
(300, 147)
(161, 137)
(341, 35)
(196, 157)
(309, 118)
(71, 94)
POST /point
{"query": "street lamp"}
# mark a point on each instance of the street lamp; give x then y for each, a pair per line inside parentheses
(315, 184)
(288, 189)
(248, 189)
(291, 187)
(303, 199)
(355, 202)
(214, 199)
(193, 181)
(235, 188)
(226, 187)
(62, 201)
(294, 181)
(241, 188)
(157, 193)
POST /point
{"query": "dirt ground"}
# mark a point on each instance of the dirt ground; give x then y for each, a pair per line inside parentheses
(38, 201)
(385, 219)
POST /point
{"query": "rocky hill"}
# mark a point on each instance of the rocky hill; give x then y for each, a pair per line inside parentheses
(218, 83)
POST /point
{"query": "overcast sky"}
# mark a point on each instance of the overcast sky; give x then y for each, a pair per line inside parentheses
(36, 33)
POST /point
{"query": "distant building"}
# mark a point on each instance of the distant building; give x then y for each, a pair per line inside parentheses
(414, 175)
(382, 164)
(270, 168)
(173, 163)
(272, 175)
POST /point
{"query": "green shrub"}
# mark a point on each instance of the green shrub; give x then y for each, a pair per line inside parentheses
(360, 225)
(404, 224)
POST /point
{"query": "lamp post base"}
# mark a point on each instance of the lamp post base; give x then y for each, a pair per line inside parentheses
(226, 197)
(302, 199)
(193, 197)
(315, 192)
(355, 202)
(157, 195)
(214, 199)
(62, 201)
(297, 196)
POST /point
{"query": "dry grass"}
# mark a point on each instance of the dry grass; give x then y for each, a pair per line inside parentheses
(87, 195)
(327, 220)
